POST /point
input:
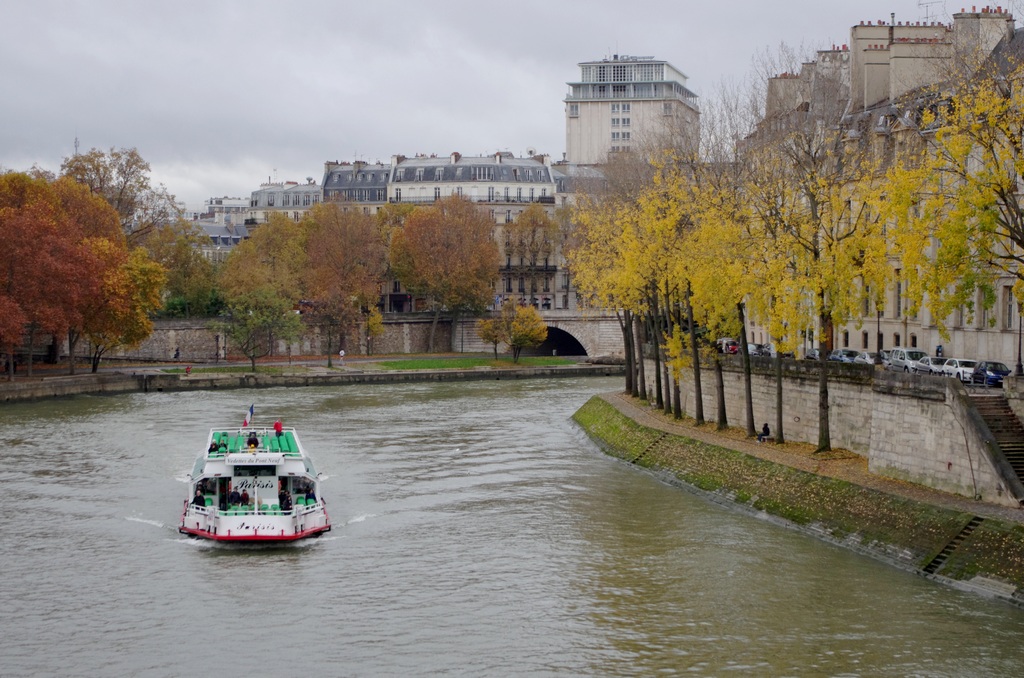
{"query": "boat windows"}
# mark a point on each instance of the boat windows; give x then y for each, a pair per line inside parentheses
(255, 471)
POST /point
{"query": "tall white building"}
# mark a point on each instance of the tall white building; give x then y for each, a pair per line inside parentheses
(622, 102)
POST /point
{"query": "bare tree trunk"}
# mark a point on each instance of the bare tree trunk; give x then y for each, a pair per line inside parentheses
(723, 420)
(780, 433)
(747, 391)
(677, 405)
(31, 348)
(654, 322)
(639, 349)
(698, 392)
(433, 328)
(9, 364)
(824, 433)
(665, 330)
(72, 344)
(666, 378)
(626, 327)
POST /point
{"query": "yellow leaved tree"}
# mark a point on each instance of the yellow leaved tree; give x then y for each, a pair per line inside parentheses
(955, 201)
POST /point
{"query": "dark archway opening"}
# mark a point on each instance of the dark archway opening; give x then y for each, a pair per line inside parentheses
(559, 342)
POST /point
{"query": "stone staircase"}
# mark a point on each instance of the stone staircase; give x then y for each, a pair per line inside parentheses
(1006, 428)
(939, 560)
(647, 449)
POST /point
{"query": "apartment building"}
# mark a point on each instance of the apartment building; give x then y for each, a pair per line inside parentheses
(288, 197)
(888, 70)
(624, 102)
(361, 184)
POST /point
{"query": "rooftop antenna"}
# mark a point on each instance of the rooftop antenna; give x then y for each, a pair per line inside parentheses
(926, 5)
(76, 144)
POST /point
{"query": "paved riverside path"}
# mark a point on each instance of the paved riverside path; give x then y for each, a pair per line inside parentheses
(846, 466)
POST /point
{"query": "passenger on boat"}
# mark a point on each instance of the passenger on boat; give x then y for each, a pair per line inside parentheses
(310, 494)
(254, 440)
(234, 498)
(223, 447)
(286, 502)
(245, 497)
(199, 499)
(278, 428)
(213, 446)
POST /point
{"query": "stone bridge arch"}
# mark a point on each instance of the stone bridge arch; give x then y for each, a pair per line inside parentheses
(595, 335)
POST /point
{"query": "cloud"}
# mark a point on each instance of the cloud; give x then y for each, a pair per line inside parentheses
(216, 95)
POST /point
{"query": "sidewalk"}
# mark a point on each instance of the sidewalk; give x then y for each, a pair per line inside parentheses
(840, 465)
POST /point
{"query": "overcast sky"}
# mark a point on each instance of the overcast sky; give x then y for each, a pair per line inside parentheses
(221, 96)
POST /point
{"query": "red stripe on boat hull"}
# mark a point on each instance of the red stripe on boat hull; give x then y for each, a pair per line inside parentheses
(254, 537)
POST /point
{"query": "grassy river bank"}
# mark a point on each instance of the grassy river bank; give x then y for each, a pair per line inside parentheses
(977, 550)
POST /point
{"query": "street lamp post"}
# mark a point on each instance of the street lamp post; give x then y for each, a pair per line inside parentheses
(1020, 367)
(878, 337)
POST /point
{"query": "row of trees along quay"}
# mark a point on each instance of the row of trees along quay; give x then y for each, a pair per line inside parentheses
(97, 252)
(800, 218)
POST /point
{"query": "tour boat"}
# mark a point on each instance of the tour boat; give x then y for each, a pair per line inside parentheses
(254, 484)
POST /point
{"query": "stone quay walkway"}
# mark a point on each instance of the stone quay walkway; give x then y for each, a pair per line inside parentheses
(841, 465)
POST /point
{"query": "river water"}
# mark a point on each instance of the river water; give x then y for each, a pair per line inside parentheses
(477, 532)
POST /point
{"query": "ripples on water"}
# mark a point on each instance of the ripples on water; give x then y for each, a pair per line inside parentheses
(477, 532)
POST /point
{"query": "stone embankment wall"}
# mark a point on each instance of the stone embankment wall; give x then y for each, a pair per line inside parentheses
(902, 532)
(145, 382)
(199, 341)
(918, 428)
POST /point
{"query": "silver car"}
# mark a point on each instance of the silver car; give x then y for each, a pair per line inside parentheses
(903, 359)
(928, 365)
(865, 358)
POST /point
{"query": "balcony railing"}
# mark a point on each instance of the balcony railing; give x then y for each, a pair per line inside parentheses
(496, 200)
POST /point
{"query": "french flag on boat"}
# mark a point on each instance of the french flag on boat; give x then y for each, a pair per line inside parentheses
(248, 415)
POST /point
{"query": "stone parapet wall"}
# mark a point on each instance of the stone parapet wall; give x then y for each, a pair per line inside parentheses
(156, 381)
(199, 341)
(918, 428)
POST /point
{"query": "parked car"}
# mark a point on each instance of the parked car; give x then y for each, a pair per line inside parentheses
(902, 359)
(757, 349)
(989, 373)
(865, 358)
(842, 355)
(812, 354)
(728, 346)
(885, 356)
(928, 365)
(770, 350)
(960, 368)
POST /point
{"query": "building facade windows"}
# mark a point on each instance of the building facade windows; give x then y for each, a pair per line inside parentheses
(1008, 308)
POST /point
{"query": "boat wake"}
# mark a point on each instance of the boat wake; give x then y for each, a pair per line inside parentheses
(145, 521)
(359, 519)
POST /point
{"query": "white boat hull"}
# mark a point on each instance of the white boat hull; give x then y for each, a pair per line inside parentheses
(216, 525)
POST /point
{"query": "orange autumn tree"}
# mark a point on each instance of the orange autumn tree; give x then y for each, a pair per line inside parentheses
(131, 286)
(48, 269)
(347, 260)
(447, 253)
